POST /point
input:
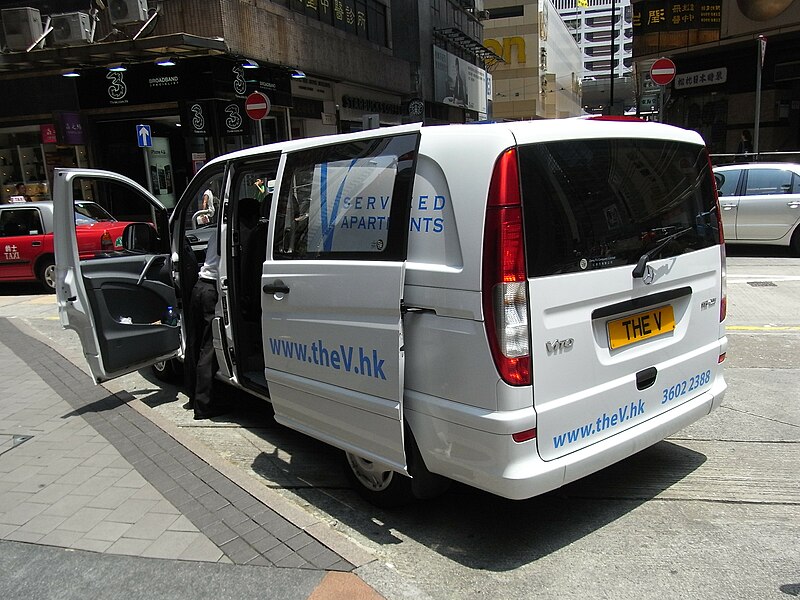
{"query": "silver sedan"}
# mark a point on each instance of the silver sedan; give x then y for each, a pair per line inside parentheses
(760, 203)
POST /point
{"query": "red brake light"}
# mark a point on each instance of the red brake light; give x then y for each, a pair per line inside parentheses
(723, 294)
(106, 243)
(505, 296)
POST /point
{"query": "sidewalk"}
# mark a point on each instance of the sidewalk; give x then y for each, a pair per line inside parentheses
(81, 468)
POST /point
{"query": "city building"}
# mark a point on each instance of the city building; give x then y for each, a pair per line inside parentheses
(539, 76)
(721, 51)
(607, 64)
(153, 89)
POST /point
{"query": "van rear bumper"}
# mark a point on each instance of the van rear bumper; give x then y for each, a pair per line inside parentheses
(495, 463)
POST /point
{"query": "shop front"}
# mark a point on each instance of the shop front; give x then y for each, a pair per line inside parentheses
(191, 112)
(159, 126)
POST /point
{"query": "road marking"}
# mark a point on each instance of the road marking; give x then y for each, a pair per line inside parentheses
(762, 327)
(746, 278)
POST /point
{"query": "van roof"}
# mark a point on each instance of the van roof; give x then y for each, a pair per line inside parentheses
(523, 131)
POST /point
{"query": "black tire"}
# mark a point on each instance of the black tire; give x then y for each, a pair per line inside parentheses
(46, 274)
(389, 489)
(795, 243)
(168, 371)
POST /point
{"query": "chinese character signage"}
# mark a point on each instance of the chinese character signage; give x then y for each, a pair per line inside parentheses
(364, 18)
(652, 16)
(701, 78)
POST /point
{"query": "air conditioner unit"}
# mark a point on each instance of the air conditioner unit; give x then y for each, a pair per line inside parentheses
(70, 29)
(127, 11)
(22, 27)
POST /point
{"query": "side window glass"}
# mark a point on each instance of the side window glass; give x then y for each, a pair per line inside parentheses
(768, 182)
(347, 201)
(726, 182)
(104, 208)
(203, 210)
(20, 222)
(795, 183)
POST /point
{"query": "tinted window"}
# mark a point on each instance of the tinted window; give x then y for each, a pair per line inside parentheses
(768, 181)
(22, 221)
(592, 204)
(726, 181)
(347, 201)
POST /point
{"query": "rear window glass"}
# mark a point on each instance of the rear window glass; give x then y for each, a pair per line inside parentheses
(594, 204)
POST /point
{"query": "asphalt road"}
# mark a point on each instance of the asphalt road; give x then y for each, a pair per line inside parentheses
(713, 512)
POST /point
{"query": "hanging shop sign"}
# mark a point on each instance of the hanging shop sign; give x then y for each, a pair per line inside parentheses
(197, 117)
(232, 118)
(701, 78)
(69, 129)
(231, 79)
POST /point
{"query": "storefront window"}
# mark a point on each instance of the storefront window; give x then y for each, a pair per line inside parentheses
(26, 164)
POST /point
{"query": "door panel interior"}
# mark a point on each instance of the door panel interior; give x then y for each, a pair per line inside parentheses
(128, 308)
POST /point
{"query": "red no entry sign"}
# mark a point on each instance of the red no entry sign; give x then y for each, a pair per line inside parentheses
(663, 71)
(257, 106)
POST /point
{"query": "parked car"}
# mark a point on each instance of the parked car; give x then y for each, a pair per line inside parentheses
(760, 203)
(26, 235)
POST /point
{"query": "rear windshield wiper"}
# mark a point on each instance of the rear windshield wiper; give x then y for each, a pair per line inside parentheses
(638, 271)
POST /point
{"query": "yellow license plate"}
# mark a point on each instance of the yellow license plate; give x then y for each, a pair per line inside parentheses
(641, 326)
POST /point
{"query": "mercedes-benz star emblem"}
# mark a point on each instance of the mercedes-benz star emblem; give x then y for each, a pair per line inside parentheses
(649, 275)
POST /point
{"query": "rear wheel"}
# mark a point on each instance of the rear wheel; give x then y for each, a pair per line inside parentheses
(389, 489)
(795, 243)
(46, 274)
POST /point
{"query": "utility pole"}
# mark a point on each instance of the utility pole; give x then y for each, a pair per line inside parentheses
(761, 46)
(613, 54)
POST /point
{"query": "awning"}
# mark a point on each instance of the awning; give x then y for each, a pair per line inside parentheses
(462, 40)
(179, 45)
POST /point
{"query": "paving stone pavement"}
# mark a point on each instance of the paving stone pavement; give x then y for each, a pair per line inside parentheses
(81, 469)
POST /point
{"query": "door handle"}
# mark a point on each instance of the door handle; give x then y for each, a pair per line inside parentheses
(36, 244)
(794, 204)
(728, 206)
(276, 288)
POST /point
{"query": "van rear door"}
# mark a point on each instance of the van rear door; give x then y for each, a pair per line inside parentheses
(332, 293)
(612, 348)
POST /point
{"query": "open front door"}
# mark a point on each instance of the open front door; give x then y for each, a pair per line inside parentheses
(114, 284)
(332, 292)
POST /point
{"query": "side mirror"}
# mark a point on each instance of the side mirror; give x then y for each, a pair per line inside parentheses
(141, 238)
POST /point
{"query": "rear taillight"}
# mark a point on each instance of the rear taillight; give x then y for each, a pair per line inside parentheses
(723, 293)
(106, 243)
(505, 285)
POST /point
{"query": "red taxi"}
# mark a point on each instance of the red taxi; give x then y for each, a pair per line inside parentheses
(26, 239)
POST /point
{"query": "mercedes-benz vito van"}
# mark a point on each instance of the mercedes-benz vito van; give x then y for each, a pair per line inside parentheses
(512, 306)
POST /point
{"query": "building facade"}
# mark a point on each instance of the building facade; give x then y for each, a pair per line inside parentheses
(606, 49)
(539, 76)
(91, 80)
(718, 49)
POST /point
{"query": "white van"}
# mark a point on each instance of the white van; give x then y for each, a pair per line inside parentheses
(512, 306)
